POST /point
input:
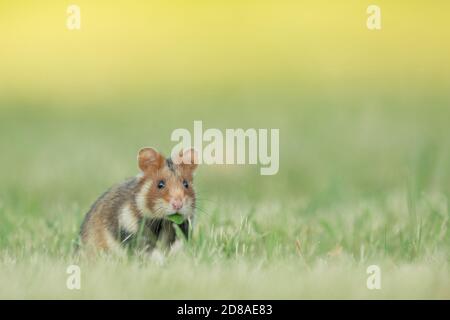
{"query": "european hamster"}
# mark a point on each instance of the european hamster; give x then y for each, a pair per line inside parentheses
(138, 208)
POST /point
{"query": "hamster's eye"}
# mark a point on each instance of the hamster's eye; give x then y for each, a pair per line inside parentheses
(185, 184)
(161, 184)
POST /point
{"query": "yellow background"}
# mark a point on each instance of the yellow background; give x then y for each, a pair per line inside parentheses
(137, 47)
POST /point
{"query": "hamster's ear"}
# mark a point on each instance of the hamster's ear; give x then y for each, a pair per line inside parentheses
(187, 159)
(149, 159)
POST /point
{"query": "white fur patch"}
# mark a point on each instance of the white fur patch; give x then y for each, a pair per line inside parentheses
(187, 209)
(176, 247)
(127, 220)
(162, 208)
(141, 198)
(157, 257)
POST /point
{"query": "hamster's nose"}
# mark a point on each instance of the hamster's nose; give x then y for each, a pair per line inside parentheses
(176, 204)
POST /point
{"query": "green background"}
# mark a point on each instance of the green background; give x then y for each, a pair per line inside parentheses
(364, 151)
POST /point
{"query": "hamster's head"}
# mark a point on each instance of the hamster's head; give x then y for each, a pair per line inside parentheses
(166, 186)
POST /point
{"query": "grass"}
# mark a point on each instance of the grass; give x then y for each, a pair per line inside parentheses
(358, 185)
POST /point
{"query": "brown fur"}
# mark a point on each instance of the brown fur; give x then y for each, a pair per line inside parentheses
(101, 228)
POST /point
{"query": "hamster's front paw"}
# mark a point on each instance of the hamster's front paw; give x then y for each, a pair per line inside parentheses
(176, 247)
(157, 257)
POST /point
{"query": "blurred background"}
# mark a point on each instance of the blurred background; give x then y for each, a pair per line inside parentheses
(362, 114)
(356, 108)
(364, 149)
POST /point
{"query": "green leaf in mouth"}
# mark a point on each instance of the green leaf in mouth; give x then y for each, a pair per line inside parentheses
(176, 218)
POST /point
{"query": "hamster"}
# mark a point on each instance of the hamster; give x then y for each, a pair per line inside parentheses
(137, 209)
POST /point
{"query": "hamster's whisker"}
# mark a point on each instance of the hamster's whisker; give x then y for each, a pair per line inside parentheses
(202, 211)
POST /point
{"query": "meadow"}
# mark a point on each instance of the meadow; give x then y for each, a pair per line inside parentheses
(356, 187)
(364, 173)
